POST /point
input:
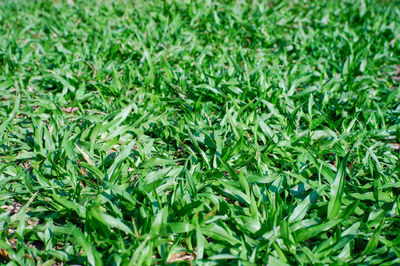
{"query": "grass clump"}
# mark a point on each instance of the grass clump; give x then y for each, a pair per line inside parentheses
(206, 132)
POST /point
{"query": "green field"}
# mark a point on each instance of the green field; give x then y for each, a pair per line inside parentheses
(199, 132)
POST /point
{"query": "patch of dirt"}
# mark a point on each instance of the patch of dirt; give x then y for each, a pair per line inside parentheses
(12, 209)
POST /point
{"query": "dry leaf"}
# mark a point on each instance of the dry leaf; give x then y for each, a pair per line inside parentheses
(85, 156)
(180, 256)
(394, 146)
(69, 110)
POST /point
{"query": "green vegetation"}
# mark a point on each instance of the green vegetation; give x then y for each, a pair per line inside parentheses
(203, 132)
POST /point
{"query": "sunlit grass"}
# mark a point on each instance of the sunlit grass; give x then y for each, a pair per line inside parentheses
(203, 132)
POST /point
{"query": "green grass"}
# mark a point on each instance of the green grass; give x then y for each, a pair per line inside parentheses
(203, 132)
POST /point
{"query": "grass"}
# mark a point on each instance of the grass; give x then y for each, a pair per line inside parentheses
(203, 132)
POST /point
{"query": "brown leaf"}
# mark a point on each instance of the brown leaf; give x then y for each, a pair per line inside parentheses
(396, 78)
(32, 222)
(85, 156)
(395, 146)
(69, 110)
(180, 256)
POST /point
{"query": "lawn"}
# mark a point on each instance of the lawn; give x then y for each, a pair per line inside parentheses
(199, 132)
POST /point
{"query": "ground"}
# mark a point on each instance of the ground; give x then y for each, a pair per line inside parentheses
(199, 132)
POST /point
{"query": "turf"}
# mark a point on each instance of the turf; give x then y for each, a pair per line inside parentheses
(199, 132)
